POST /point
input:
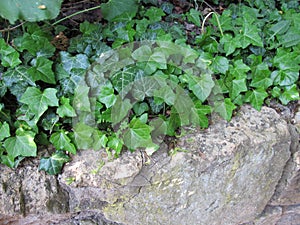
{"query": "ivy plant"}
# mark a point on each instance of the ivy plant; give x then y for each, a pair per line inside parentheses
(141, 75)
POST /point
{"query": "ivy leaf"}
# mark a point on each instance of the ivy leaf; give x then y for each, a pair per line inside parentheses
(256, 98)
(280, 28)
(145, 87)
(154, 14)
(199, 114)
(26, 10)
(140, 108)
(36, 43)
(69, 62)
(38, 101)
(138, 135)
(290, 94)
(83, 135)
(65, 109)
(238, 86)
(261, 77)
(9, 56)
(107, 96)
(149, 61)
(225, 108)
(249, 35)
(21, 145)
(239, 69)
(229, 44)
(120, 110)
(220, 64)
(53, 165)
(61, 141)
(4, 131)
(81, 101)
(291, 38)
(115, 8)
(115, 144)
(201, 86)
(18, 75)
(42, 70)
(122, 79)
(167, 94)
(100, 140)
(194, 16)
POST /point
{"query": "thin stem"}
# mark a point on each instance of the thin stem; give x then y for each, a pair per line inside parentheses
(12, 28)
(74, 14)
(206, 17)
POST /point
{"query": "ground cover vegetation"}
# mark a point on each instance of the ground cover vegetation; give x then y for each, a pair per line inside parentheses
(52, 80)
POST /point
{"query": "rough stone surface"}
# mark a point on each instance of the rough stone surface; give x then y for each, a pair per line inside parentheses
(242, 172)
(26, 191)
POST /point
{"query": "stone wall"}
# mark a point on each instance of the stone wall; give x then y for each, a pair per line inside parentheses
(245, 171)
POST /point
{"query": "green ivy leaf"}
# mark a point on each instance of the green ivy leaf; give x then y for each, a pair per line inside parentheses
(238, 86)
(65, 109)
(239, 69)
(229, 44)
(38, 101)
(194, 16)
(42, 70)
(201, 86)
(114, 8)
(100, 140)
(80, 61)
(115, 144)
(53, 165)
(140, 108)
(256, 98)
(120, 110)
(249, 35)
(149, 61)
(166, 93)
(291, 38)
(107, 96)
(123, 79)
(154, 14)
(61, 141)
(280, 27)
(224, 108)
(18, 75)
(145, 87)
(138, 135)
(4, 131)
(21, 145)
(83, 135)
(290, 93)
(220, 64)
(261, 77)
(29, 10)
(37, 42)
(9, 56)
(199, 114)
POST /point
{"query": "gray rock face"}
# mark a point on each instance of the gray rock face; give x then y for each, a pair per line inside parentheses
(245, 171)
(27, 191)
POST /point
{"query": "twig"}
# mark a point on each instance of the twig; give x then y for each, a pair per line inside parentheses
(74, 14)
(12, 28)
(206, 17)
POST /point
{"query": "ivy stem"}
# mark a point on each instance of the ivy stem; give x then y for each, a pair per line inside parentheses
(12, 28)
(74, 14)
(206, 17)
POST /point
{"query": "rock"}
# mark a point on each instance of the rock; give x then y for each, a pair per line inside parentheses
(242, 172)
(26, 191)
(227, 176)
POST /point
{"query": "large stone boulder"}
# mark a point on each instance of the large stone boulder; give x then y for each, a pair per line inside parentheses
(226, 174)
(245, 171)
